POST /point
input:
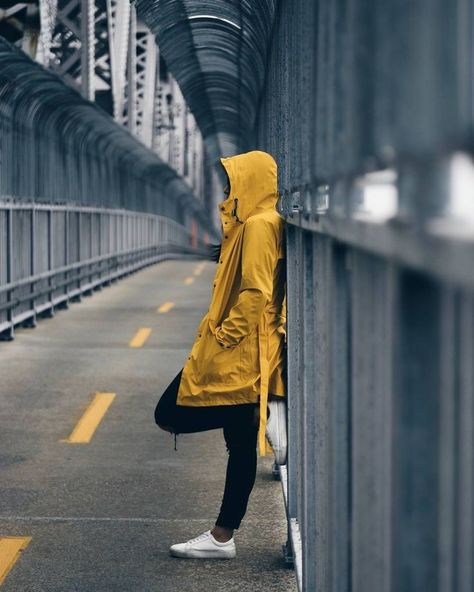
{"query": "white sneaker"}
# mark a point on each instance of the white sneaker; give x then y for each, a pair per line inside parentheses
(204, 546)
(276, 429)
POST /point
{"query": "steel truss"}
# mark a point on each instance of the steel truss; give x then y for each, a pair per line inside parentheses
(100, 48)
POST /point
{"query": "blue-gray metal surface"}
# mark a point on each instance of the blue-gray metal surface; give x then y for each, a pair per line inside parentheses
(381, 401)
(51, 254)
(380, 476)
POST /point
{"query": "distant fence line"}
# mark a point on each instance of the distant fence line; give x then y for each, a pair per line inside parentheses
(52, 254)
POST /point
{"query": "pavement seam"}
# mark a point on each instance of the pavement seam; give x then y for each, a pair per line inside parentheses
(110, 519)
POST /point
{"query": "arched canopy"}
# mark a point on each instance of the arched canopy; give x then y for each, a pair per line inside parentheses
(217, 51)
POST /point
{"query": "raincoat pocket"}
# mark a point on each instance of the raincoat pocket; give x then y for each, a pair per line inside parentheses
(218, 364)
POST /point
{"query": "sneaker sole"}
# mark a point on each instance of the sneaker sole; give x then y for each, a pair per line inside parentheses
(202, 555)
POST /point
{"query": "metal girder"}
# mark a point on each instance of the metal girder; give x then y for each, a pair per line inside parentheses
(118, 19)
(80, 48)
(146, 75)
(103, 50)
(48, 11)
(131, 117)
(87, 49)
(71, 58)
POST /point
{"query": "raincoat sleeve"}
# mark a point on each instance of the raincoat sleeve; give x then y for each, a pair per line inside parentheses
(259, 255)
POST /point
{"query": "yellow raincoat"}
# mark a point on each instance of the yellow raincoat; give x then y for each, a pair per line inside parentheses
(238, 353)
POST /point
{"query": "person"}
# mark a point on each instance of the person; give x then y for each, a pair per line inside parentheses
(235, 375)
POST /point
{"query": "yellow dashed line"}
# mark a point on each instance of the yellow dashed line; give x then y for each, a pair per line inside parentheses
(165, 307)
(199, 269)
(140, 337)
(87, 425)
(10, 551)
(189, 280)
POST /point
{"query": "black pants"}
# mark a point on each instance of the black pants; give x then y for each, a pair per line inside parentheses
(240, 433)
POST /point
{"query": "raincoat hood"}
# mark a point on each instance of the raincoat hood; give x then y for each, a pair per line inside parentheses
(253, 185)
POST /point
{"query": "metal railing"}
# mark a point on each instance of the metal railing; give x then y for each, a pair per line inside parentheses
(51, 254)
(368, 111)
(379, 486)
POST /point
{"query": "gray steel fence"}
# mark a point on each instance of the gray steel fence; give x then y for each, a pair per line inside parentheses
(368, 109)
(52, 254)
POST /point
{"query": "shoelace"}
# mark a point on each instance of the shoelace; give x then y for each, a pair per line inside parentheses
(201, 537)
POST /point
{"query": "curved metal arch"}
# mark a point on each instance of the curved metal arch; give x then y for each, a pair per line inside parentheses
(217, 51)
(58, 147)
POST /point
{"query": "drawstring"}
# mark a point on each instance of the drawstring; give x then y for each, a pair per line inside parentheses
(264, 380)
(234, 211)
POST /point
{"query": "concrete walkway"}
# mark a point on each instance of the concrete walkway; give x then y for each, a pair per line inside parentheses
(101, 515)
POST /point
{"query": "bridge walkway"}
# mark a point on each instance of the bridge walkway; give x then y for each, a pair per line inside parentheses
(101, 515)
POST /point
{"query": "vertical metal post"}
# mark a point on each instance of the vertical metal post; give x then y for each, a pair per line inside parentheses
(118, 17)
(91, 250)
(100, 217)
(465, 519)
(293, 386)
(146, 83)
(50, 311)
(88, 48)
(78, 282)
(415, 514)
(32, 320)
(339, 425)
(372, 287)
(318, 310)
(132, 72)
(65, 303)
(48, 11)
(9, 333)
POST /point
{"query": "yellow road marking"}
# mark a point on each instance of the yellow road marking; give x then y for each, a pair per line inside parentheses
(87, 425)
(189, 280)
(10, 551)
(166, 306)
(140, 337)
(199, 269)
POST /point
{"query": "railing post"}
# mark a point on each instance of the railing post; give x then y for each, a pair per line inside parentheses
(91, 245)
(50, 311)
(97, 252)
(31, 321)
(9, 334)
(64, 305)
(88, 227)
(78, 296)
